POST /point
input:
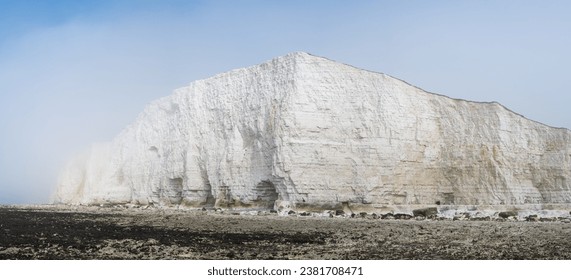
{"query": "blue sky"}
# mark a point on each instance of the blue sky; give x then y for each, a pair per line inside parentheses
(75, 72)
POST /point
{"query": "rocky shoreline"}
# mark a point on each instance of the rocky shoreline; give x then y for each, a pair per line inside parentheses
(117, 232)
(522, 213)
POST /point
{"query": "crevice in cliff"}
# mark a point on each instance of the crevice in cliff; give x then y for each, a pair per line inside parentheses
(266, 194)
(210, 200)
(172, 192)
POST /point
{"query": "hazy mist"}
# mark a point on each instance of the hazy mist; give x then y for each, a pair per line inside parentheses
(74, 75)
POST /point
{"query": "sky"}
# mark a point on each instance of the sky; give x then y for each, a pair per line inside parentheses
(76, 72)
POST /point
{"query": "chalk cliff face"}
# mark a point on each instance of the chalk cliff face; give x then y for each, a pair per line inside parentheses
(306, 132)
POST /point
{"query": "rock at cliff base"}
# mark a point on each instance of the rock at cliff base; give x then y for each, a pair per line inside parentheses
(425, 212)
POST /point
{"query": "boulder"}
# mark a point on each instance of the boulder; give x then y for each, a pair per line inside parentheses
(401, 216)
(425, 212)
(462, 216)
(507, 214)
(532, 218)
(388, 216)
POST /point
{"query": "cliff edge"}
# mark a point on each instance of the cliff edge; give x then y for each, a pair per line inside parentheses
(306, 132)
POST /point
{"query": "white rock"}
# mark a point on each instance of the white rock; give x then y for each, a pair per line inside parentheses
(304, 132)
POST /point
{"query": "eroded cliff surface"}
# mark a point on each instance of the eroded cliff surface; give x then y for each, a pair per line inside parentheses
(306, 132)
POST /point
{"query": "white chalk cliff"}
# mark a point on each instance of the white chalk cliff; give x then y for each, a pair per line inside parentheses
(306, 132)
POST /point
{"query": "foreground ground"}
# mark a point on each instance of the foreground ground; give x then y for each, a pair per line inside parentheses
(82, 233)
